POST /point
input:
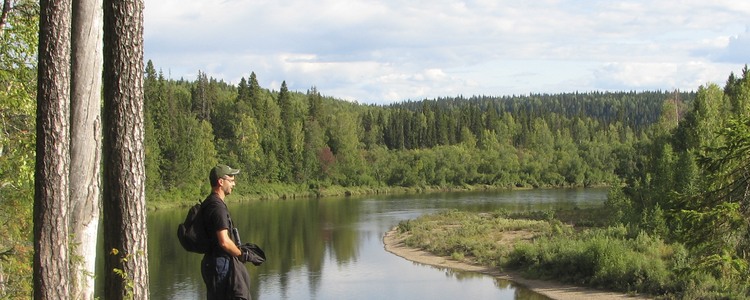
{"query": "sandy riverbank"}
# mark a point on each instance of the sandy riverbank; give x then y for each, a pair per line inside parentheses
(550, 289)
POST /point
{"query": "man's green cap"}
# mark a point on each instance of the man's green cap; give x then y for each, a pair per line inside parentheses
(220, 171)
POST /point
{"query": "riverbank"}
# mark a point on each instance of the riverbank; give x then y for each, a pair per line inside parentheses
(287, 191)
(394, 244)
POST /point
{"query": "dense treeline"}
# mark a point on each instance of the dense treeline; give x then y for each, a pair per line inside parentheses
(313, 141)
(688, 184)
(678, 226)
(636, 110)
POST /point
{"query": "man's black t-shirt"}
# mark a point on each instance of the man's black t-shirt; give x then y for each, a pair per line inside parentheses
(215, 218)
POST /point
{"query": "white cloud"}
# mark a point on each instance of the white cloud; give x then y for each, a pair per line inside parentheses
(736, 49)
(662, 76)
(382, 51)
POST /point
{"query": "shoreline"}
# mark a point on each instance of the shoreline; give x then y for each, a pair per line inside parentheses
(291, 192)
(551, 289)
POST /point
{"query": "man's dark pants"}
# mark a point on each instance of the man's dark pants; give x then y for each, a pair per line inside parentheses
(215, 272)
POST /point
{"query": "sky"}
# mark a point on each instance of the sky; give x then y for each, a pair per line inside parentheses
(380, 52)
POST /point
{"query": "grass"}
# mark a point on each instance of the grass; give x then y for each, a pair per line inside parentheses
(480, 237)
(598, 258)
(541, 245)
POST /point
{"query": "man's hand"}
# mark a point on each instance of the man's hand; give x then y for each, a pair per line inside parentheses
(252, 253)
(245, 256)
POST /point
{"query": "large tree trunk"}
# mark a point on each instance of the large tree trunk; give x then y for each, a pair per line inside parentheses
(124, 201)
(86, 144)
(52, 153)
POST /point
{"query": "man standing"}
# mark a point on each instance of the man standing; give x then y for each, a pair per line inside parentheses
(222, 268)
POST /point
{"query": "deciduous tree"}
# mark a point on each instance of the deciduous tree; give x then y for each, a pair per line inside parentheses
(18, 72)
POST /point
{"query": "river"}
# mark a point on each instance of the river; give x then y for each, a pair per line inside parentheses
(332, 248)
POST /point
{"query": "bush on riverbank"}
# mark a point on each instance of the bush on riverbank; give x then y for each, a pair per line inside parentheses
(546, 248)
(601, 258)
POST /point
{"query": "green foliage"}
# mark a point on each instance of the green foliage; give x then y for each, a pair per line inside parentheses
(618, 207)
(602, 258)
(18, 46)
(598, 259)
(462, 234)
(653, 221)
(692, 174)
(288, 137)
(663, 146)
(126, 278)
(542, 215)
(404, 226)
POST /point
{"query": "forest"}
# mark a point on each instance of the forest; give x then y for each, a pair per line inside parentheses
(674, 225)
(677, 160)
(313, 142)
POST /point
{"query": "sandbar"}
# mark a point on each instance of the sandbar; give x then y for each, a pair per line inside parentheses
(554, 290)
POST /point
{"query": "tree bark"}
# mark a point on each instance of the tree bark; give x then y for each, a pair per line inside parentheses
(124, 200)
(86, 144)
(51, 259)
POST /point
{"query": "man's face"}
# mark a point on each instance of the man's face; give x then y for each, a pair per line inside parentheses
(227, 183)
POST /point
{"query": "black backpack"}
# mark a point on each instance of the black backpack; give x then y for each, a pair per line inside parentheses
(192, 233)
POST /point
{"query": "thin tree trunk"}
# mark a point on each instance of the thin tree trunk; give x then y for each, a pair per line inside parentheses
(124, 200)
(2, 281)
(4, 14)
(51, 190)
(86, 144)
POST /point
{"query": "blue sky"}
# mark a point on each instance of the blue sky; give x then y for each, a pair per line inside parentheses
(389, 51)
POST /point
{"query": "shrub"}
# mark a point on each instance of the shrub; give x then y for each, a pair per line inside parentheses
(404, 226)
(616, 257)
(596, 259)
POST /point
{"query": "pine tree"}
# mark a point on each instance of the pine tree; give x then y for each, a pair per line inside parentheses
(124, 209)
(51, 193)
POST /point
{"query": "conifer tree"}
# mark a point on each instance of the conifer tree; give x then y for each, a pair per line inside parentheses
(124, 201)
(51, 193)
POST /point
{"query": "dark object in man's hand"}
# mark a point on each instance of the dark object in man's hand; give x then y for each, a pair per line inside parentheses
(252, 253)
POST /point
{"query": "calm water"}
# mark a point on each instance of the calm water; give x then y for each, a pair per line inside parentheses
(333, 249)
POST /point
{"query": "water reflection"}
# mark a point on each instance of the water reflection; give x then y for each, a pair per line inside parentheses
(297, 235)
(505, 286)
(332, 248)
